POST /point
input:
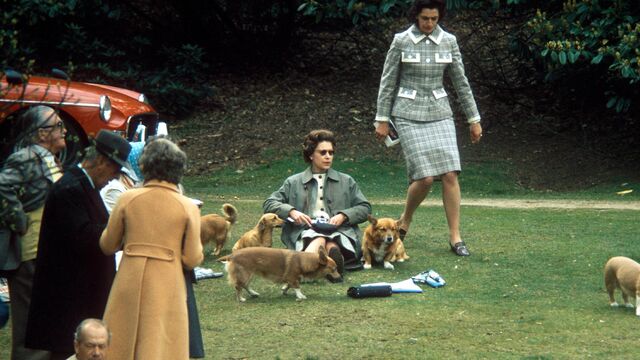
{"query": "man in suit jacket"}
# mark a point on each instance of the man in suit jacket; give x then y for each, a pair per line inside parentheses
(25, 180)
(73, 277)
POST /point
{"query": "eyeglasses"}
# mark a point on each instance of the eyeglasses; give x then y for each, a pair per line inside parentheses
(324, 152)
(59, 125)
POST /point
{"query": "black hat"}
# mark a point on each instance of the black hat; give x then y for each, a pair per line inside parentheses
(113, 146)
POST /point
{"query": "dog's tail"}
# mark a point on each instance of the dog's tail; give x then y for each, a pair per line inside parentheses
(230, 212)
(610, 278)
(225, 260)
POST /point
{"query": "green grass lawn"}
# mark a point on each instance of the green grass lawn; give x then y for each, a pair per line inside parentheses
(532, 289)
(387, 180)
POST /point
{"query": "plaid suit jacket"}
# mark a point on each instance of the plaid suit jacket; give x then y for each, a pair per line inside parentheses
(411, 84)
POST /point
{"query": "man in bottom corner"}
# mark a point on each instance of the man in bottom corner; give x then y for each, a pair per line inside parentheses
(91, 340)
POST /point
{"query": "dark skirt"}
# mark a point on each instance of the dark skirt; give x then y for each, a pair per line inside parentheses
(196, 347)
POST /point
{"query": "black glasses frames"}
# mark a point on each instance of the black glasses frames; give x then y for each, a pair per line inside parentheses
(324, 152)
(59, 125)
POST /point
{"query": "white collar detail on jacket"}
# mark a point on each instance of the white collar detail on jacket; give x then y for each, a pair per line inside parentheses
(416, 35)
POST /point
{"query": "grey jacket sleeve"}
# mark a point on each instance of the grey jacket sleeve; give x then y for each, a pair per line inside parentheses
(23, 188)
(13, 184)
(360, 206)
(277, 202)
(461, 84)
(388, 82)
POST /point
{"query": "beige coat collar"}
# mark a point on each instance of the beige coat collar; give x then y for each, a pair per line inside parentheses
(162, 184)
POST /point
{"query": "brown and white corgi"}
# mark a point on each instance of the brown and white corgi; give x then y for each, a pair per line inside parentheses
(278, 265)
(261, 234)
(215, 228)
(623, 273)
(381, 243)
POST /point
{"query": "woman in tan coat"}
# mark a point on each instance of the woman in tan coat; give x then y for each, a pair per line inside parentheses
(159, 231)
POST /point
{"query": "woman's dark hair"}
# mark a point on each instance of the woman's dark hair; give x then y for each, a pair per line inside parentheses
(418, 5)
(314, 138)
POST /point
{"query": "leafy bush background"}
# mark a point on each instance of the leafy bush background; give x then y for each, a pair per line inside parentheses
(576, 54)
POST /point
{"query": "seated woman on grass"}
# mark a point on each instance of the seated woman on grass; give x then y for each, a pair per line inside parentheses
(321, 192)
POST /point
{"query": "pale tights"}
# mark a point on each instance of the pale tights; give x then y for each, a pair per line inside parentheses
(418, 191)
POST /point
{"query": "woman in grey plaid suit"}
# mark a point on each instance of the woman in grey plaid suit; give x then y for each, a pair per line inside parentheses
(412, 95)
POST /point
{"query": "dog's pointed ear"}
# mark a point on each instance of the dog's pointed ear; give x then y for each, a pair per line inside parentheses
(323, 256)
(372, 220)
(261, 224)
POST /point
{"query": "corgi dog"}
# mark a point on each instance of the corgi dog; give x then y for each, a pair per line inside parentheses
(623, 273)
(278, 265)
(261, 234)
(381, 243)
(215, 228)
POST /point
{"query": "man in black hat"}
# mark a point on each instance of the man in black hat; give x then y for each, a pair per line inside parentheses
(73, 277)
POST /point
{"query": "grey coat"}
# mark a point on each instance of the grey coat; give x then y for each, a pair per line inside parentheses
(24, 182)
(299, 191)
(411, 86)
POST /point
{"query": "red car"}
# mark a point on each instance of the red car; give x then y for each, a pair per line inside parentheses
(85, 109)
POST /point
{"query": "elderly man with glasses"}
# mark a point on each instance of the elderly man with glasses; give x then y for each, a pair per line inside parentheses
(25, 180)
(91, 340)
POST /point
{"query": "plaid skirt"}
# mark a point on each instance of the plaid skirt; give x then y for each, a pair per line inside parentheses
(430, 147)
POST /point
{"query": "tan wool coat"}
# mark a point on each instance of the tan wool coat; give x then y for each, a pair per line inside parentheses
(159, 231)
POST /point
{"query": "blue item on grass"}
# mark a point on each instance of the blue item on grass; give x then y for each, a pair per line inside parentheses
(429, 277)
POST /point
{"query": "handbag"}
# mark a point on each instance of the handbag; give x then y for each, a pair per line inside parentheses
(323, 227)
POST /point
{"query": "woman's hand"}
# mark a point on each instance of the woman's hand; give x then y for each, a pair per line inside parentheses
(382, 130)
(475, 131)
(338, 219)
(300, 217)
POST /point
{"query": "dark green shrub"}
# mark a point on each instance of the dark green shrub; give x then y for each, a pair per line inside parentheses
(601, 36)
(352, 11)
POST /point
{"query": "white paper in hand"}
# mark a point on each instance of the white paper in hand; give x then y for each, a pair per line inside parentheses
(391, 139)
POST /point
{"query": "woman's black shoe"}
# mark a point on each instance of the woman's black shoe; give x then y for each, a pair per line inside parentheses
(336, 255)
(460, 249)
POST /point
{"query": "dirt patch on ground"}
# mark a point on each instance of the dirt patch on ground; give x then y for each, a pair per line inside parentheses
(546, 204)
(518, 203)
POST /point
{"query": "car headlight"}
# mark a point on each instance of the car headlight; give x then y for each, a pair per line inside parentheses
(105, 108)
(142, 99)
